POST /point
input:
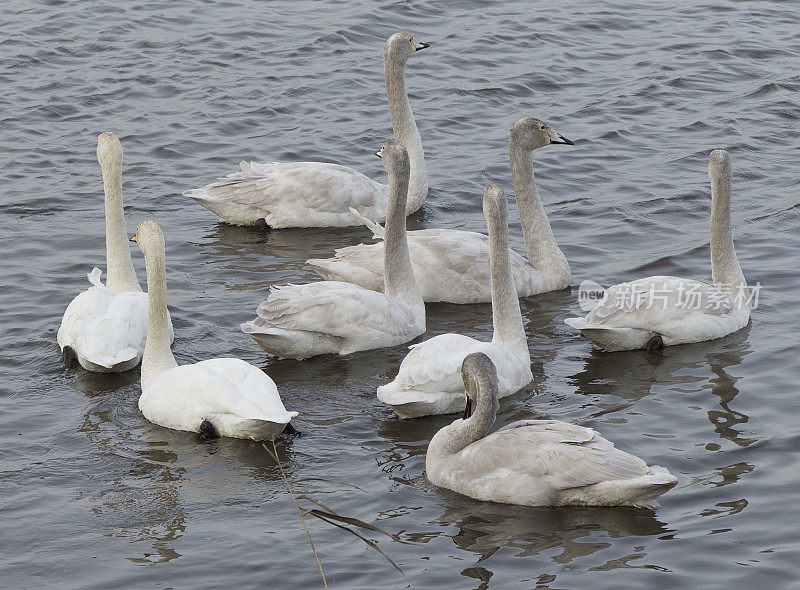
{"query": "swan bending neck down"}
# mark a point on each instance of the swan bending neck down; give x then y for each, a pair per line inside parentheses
(301, 321)
(216, 397)
(453, 265)
(428, 381)
(319, 194)
(662, 310)
(534, 462)
(104, 328)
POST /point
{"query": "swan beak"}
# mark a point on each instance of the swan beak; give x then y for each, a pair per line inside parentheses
(379, 153)
(133, 239)
(468, 408)
(557, 138)
(420, 45)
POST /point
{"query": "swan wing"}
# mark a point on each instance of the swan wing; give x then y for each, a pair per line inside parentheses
(658, 304)
(334, 308)
(298, 194)
(556, 454)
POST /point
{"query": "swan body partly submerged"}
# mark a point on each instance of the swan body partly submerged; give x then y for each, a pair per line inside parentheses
(301, 321)
(222, 396)
(320, 194)
(428, 381)
(453, 265)
(665, 310)
(534, 462)
(105, 327)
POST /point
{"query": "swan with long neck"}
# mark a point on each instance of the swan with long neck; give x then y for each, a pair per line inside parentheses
(319, 194)
(301, 321)
(104, 328)
(453, 265)
(429, 381)
(663, 310)
(534, 462)
(222, 396)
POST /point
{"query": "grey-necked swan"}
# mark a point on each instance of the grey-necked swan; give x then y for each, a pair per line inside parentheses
(104, 327)
(534, 462)
(319, 194)
(453, 265)
(221, 396)
(429, 378)
(300, 321)
(663, 310)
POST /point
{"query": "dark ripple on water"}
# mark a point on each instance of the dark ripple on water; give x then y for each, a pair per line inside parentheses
(192, 89)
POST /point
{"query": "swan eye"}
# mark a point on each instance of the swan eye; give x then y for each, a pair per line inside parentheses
(542, 127)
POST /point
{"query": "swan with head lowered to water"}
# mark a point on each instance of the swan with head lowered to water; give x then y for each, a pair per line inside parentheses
(534, 462)
(301, 321)
(429, 378)
(453, 265)
(661, 311)
(218, 397)
(104, 328)
(320, 194)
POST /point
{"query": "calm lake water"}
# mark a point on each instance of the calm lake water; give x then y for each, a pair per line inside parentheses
(94, 496)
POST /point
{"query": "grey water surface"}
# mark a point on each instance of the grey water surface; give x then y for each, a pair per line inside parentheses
(94, 496)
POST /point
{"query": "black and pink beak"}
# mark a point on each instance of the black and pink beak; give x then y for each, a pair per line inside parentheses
(468, 408)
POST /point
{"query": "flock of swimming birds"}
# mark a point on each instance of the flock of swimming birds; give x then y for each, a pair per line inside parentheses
(374, 295)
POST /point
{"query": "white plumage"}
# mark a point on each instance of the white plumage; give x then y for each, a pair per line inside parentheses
(105, 327)
(319, 194)
(534, 462)
(300, 321)
(453, 265)
(223, 396)
(671, 310)
(429, 380)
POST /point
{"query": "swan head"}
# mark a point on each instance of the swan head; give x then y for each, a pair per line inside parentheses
(401, 46)
(719, 164)
(109, 149)
(394, 157)
(480, 379)
(535, 133)
(149, 238)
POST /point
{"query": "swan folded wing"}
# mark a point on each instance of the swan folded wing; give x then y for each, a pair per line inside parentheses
(246, 390)
(291, 189)
(105, 327)
(335, 308)
(565, 455)
(658, 304)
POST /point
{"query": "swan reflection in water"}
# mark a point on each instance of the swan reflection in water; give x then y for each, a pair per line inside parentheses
(139, 473)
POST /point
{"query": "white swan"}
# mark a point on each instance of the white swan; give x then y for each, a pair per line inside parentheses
(104, 328)
(319, 194)
(429, 379)
(223, 396)
(453, 265)
(300, 321)
(534, 462)
(663, 310)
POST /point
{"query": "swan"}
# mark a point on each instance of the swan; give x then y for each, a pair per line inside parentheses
(661, 311)
(217, 397)
(104, 327)
(428, 381)
(300, 321)
(534, 462)
(453, 265)
(319, 194)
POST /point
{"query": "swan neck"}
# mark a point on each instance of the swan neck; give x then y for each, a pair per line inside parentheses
(540, 243)
(157, 353)
(725, 269)
(121, 276)
(398, 277)
(406, 132)
(461, 433)
(506, 315)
